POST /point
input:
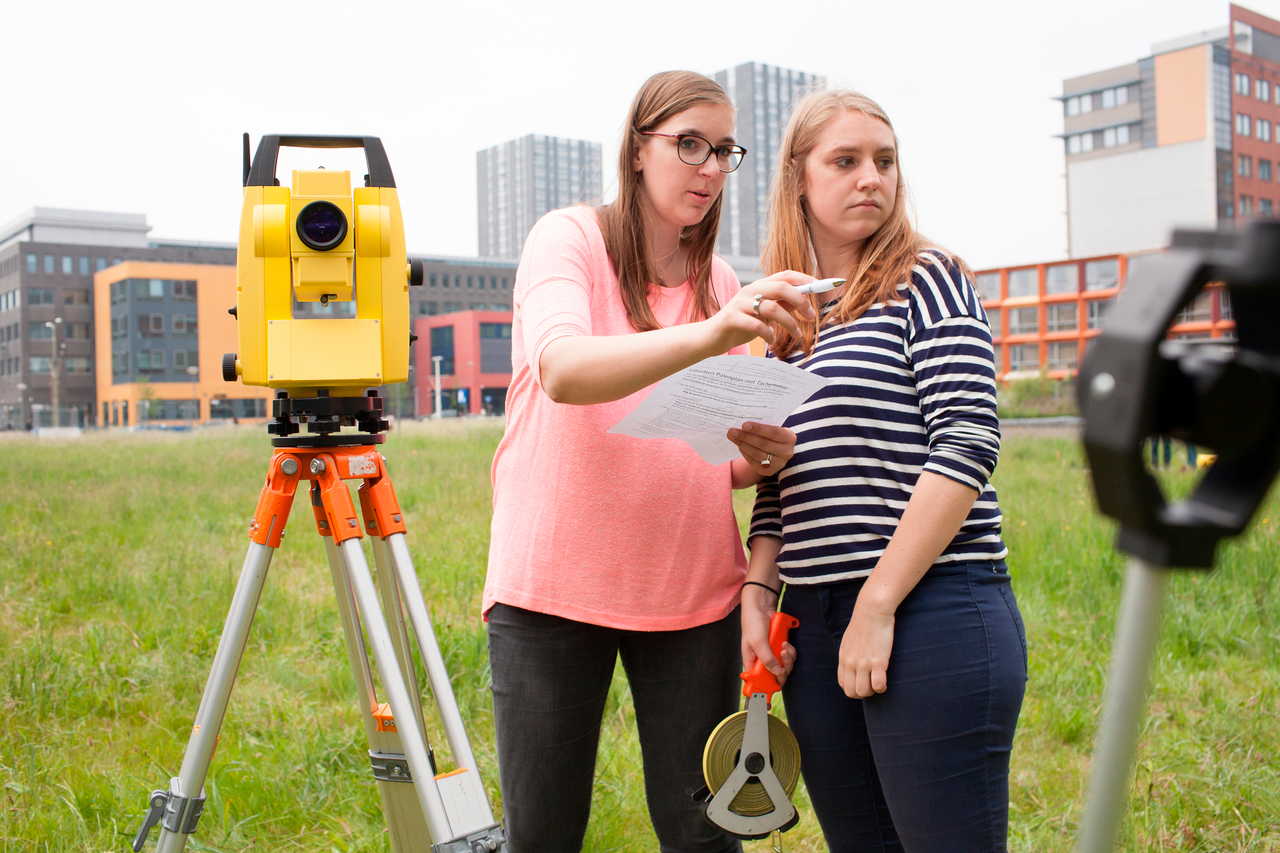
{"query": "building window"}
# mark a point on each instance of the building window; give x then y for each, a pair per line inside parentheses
(1262, 90)
(1097, 311)
(1062, 279)
(993, 320)
(1264, 207)
(1086, 142)
(1063, 317)
(39, 364)
(432, 280)
(48, 263)
(151, 325)
(1064, 355)
(1109, 138)
(182, 359)
(504, 282)
(120, 362)
(38, 331)
(1073, 106)
(469, 284)
(1073, 144)
(1241, 83)
(433, 308)
(78, 331)
(33, 263)
(1023, 283)
(99, 264)
(1246, 205)
(67, 265)
(185, 290)
(1244, 166)
(40, 295)
(493, 282)
(1262, 130)
(1099, 275)
(1024, 321)
(1264, 170)
(120, 327)
(1199, 311)
(151, 361)
(183, 324)
(1224, 305)
(988, 286)
(75, 296)
(77, 364)
(1024, 357)
(84, 266)
(442, 345)
(151, 289)
(496, 330)
(1108, 98)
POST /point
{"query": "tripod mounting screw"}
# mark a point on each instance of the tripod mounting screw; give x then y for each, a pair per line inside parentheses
(289, 466)
(317, 466)
(1102, 385)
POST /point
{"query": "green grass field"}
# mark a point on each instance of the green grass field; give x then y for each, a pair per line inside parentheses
(119, 553)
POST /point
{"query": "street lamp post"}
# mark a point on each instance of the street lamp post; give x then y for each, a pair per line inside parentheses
(193, 372)
(435, 363)
(22, 402)
(55, 363)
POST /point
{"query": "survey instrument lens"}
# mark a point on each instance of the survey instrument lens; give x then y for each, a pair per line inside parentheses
(321, 225)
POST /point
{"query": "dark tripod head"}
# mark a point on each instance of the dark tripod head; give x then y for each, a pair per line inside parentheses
(1134, 384)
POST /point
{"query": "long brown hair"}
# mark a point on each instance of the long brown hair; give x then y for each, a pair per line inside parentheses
(888, 255)
(623, 222)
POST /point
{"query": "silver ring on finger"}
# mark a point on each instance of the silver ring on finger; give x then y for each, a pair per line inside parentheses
(767, 461)
(755, 305)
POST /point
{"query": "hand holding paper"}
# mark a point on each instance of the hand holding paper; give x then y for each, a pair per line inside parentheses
(703, 402)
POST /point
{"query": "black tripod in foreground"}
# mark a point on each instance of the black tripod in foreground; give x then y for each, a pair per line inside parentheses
(1134, 384)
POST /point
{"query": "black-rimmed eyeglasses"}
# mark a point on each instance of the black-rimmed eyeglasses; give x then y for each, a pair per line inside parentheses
(693, 150)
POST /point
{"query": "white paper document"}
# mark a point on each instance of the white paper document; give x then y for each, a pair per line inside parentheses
(701, 403)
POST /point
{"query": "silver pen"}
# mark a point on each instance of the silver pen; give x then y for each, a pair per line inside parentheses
(821, 285)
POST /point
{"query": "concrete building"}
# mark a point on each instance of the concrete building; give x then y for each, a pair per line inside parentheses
(1044, 315)
(763, 95)
(1184, 137)
(518, 181)
(48, 260)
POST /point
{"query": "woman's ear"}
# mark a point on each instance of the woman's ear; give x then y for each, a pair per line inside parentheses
(637, 165)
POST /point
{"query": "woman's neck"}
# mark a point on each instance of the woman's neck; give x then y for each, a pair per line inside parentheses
(835, 261)
(665, 251)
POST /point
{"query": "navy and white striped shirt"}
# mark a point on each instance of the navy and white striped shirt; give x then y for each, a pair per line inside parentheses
(913, 389)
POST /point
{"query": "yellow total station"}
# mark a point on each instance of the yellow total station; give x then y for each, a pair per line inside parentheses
(320, 241)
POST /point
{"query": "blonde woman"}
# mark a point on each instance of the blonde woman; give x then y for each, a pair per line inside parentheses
(605, 546)
(910, 658)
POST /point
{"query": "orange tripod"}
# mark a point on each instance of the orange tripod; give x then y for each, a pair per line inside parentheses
(426, 811)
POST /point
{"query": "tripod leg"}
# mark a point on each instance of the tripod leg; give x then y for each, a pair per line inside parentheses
(384, 655)
(186, 795)
(1137, 635)
(405, 822)
(437, 674)
(393, 610)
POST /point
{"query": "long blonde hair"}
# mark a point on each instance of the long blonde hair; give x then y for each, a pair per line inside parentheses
(623, 222)
(888, 255)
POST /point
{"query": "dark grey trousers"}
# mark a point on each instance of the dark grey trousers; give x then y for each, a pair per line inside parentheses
(551, 678)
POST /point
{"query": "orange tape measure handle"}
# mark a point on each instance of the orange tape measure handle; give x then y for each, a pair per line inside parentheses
(758, 679)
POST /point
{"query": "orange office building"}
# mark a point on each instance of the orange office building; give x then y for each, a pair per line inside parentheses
(162, 331)
(1044, 315)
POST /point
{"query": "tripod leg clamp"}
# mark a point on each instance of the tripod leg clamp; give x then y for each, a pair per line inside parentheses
(172, 810)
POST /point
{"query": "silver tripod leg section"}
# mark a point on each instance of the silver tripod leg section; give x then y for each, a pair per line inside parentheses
(406, 825)
(1137, 635)
(186, 791)
(393, 611)
(398, 698)
(437, 674)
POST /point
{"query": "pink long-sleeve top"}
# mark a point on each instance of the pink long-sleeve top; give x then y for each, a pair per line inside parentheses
(628, 533)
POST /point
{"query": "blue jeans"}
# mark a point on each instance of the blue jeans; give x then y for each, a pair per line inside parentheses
(551, 678)
(923, 766)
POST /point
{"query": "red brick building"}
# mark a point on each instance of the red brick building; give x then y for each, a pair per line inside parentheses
(474, 353)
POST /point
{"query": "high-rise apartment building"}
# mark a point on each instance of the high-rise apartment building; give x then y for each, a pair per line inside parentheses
(763, 95)
(1185, 137)
(518, 181)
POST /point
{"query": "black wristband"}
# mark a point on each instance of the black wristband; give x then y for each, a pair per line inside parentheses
(776, 592)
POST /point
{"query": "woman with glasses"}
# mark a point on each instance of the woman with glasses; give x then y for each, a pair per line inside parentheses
(910, 657)
(606, 545)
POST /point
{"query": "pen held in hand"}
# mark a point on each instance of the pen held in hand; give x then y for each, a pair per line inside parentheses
(821, 285)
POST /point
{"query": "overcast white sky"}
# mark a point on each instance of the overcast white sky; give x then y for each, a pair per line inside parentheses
(139, 107)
